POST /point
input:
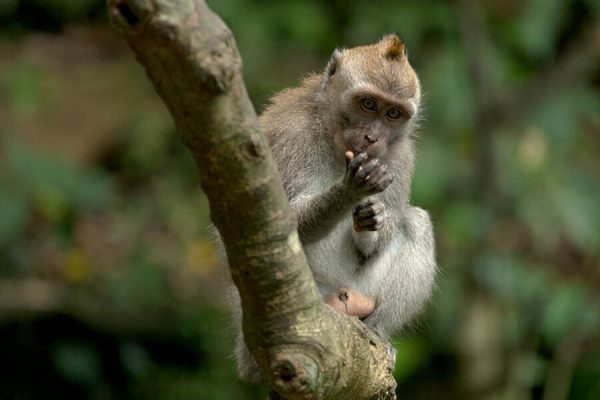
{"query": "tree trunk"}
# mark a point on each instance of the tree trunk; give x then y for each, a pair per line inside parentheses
(304, 348)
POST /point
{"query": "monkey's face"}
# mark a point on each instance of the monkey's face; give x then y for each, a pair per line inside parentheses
(370, 120)
(373, 96)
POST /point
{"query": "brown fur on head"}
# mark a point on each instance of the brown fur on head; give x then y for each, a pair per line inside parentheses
(379, 72)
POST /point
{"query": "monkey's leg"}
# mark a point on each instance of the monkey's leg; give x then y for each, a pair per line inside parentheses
(410, 273)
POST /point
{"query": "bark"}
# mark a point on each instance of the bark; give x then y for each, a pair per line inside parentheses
(305, 349)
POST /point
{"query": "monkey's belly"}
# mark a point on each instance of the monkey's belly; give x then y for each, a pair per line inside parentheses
(335, 263)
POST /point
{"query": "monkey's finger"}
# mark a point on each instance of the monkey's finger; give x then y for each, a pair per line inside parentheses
(374, 209)
(349, 156)
(368, 212)
(370, 220)
(357, 161)
(366, 203)
(376, 226)
(384, 183)
(358, 227)
(360, 176)
(377, 176)
(371, 166)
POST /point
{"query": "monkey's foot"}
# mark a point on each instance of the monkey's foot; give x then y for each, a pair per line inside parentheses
(350, 302)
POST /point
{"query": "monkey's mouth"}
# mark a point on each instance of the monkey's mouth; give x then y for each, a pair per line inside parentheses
(357, 143)
(358, 149)
(372, 149)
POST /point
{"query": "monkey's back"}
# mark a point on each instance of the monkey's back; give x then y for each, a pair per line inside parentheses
(296, 137)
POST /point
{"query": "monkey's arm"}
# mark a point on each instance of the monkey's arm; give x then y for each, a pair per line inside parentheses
(410, 277)
(318, 214)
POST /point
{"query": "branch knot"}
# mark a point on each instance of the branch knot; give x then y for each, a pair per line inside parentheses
(294, 374)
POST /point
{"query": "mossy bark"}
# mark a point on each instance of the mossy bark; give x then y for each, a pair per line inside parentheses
(305, 349)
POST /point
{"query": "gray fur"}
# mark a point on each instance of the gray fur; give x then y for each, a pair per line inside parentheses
(392, 256)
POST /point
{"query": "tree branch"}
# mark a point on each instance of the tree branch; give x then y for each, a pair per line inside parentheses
(304, 348)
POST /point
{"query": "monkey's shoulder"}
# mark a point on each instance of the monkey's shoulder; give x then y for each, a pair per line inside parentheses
(292, 109)
(303, 93)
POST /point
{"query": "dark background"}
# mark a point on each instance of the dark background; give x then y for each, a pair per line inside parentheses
(109, 287)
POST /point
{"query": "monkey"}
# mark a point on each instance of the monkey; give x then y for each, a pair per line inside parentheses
(343, 142)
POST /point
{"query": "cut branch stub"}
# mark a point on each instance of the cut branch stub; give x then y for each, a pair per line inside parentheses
(153, 27)
(128, 14)
(294, 374)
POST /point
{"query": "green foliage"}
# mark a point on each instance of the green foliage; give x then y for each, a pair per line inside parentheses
(21, 11)
(538, 25)
(411, 355)
(13, 213)
(126, 225)
(8, 7)
(77, 362)
(54, 186)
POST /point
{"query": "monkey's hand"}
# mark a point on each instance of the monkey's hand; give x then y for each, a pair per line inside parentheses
(369, 215)
(364, 178)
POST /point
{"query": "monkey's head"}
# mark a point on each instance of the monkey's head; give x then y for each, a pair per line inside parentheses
(371, 96)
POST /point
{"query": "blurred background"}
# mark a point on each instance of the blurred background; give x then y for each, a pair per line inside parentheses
(108, 282)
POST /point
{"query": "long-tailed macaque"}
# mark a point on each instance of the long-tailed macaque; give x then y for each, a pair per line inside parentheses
(343, 144)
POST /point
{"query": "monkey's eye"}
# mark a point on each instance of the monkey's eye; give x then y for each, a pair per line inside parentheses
(394, 113)
(368, 103)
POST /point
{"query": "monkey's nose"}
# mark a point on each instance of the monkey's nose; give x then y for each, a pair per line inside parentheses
(371, 138)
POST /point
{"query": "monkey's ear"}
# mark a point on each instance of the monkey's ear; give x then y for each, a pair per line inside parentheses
(334, 63)
(394, 47)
